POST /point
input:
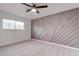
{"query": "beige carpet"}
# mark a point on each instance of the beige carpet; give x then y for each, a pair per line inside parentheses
(37, 47)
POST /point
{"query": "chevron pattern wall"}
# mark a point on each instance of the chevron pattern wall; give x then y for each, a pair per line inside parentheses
(60, 28)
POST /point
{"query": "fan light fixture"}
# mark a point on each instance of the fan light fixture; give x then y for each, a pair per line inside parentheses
(34, 7)
(33, 10)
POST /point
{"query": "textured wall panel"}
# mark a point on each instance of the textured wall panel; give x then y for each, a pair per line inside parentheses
(61, 28)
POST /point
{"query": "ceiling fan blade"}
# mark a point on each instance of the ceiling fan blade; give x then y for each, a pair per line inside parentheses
(37, 11)
(28, 10)
(26, 4)
(44, 6)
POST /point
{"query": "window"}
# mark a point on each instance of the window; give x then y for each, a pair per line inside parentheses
(11, 24)
(8, 24)
(19, 25)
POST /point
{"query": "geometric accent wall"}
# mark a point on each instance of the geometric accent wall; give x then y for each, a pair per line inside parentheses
(61, 28)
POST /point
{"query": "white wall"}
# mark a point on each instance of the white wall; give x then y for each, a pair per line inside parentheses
(12, 36)
(61, 28)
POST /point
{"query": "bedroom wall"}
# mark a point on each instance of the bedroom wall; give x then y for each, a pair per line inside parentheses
(61, 28)
(8, 36)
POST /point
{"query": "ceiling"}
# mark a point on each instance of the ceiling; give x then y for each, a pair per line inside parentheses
(20, 10)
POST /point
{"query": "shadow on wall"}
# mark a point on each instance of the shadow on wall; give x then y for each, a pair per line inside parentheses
(60, 28)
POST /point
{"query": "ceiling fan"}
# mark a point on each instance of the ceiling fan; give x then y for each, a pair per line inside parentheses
(34, 7)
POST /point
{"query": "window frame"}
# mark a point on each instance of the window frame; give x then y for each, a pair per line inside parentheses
(15, 22)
